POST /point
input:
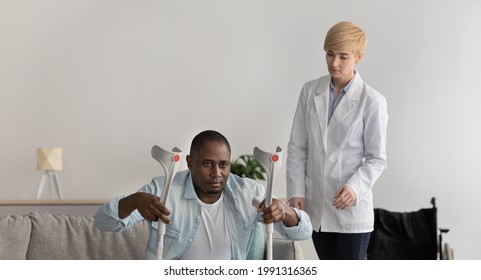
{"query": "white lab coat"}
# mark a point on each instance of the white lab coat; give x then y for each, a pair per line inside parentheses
(349, 151)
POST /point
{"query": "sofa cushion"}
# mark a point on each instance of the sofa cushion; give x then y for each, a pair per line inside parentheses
(69, 237)
(14, 237)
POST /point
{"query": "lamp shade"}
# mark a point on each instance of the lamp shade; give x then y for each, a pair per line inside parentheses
(49, 159)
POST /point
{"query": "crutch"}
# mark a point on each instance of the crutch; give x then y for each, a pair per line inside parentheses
(170, 163)
(271, 163)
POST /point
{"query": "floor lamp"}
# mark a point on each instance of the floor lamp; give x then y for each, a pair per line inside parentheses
(49, 160)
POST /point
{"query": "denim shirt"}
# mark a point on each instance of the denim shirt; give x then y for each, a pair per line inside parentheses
(242, 218)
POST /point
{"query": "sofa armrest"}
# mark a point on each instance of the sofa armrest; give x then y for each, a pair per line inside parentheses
(14, 237)
(283, 249)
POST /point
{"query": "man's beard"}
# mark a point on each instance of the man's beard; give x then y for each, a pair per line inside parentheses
(214, 191)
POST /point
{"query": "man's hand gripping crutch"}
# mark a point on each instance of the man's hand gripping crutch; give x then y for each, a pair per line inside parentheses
(170, 163)
(271, 162)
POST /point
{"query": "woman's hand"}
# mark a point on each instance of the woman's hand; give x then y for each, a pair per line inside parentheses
(344, 198)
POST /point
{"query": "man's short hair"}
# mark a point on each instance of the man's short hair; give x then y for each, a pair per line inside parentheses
(205, 137)
(345, 35)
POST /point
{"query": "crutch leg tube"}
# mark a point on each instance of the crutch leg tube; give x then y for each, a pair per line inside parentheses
(271, 162)
(170, 162)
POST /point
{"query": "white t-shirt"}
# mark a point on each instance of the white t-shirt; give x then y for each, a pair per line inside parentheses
(212, 240)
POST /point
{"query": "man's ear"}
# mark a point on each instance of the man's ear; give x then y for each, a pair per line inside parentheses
(189, 162)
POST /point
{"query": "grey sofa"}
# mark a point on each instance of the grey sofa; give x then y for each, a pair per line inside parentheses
(45, 236)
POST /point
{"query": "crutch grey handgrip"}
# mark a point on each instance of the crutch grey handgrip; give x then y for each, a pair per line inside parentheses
(271, 162)
(170, 163)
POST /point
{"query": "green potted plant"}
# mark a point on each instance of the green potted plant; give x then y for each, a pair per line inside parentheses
(248, 166)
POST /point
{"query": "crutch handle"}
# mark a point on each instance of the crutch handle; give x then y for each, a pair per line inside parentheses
(170, 163)
(271, 163)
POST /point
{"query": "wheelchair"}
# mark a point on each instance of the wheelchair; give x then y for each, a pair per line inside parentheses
(408, 236)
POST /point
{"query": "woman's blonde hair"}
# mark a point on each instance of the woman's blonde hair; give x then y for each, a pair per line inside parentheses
(345, 35)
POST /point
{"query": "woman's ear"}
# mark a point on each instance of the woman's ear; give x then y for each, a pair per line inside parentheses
(359, 57)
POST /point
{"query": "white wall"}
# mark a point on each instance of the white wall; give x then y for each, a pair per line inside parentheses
(107, 80)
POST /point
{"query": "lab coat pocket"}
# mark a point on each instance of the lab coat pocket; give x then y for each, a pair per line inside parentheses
(347, 216)
(356, 218)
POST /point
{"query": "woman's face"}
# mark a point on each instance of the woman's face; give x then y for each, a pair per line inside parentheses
(341, 63)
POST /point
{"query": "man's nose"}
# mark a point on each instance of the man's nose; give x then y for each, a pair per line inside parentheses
(215, 171)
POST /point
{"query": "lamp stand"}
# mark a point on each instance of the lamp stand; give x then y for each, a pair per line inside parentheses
(53, 182)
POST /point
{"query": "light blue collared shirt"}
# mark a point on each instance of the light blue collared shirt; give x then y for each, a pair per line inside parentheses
(241, 217)
(333, 103)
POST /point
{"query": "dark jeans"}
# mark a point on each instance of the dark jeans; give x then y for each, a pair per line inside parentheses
(340, 246)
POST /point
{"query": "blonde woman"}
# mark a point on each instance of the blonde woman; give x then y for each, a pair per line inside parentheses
(337, 149)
